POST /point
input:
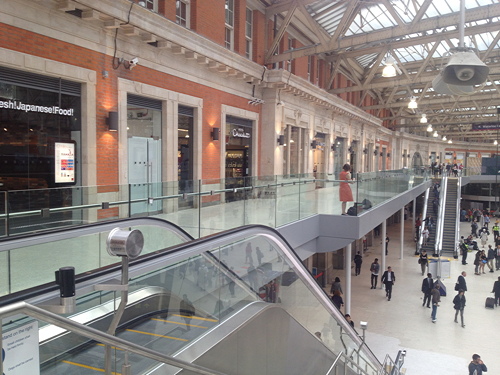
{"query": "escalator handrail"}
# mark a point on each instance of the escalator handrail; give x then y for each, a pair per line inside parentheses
(227, 237)
(94, 334)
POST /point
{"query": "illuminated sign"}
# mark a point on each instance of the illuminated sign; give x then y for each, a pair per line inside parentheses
(64, 163)
(20, 106)
(240, 133)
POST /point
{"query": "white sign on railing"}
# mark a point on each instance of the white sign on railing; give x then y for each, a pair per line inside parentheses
(20, 350)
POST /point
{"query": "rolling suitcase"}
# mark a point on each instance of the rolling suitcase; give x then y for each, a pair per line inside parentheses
(490, 303)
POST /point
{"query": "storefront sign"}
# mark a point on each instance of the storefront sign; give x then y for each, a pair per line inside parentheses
(20, 106)
(240, 133)
(20, 353)
(64, 163)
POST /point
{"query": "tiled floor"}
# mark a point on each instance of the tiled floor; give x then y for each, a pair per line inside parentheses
(443, 348)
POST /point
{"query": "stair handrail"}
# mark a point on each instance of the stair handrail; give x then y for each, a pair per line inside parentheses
(422, 222)
(457, 222)
(94, 334)
(440, 219)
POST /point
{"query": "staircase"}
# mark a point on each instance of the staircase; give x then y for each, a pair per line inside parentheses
(450, 218)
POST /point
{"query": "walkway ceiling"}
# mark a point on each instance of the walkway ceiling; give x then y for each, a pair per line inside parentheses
(358, 36)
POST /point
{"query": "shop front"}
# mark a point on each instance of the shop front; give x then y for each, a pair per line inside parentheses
(40, 146)
(238, 155)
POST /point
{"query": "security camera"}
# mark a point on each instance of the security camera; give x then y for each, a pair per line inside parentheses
(133, 63)
(364, 325)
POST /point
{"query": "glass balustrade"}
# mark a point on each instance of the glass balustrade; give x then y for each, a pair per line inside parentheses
(200, 207)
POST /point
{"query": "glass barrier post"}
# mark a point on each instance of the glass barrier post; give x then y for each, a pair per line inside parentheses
(199, 208)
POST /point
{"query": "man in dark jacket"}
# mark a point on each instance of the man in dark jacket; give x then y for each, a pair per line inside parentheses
(462, 284)
(496, 290)
(436, 298)
(477, 366)
(427, 285)
(388, 278)
(358, 259)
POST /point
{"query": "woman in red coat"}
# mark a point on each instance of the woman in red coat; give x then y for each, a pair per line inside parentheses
(345, 192)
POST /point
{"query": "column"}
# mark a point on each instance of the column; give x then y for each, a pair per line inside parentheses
(347, 269)
(414, 213)
(382, 258)
(402, 232)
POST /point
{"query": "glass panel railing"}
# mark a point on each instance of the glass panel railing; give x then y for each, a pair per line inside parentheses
(32, 262)
(200, 207)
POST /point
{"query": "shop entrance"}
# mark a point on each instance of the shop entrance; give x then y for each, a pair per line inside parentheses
(144, 154)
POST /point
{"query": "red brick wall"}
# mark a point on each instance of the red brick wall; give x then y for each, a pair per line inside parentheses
(106, 92)
(258, 39)
(208, 19)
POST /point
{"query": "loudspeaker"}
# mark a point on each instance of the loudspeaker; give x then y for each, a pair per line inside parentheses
(441, 87)
(465, 69)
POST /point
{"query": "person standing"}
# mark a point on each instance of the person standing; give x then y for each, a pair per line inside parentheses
(436, 298)
(477, 260)
(375, 269)
(484, 238)
(496, 230)
(491, 258)
(459, 305)
(477, 366)
(386, 244)
(358, 260)
(248, 253)
(336, 285)
(345, 192)
(425, 236)
(337, 299)
(497, 258)
(259, 255)
(461, 283)
(388, 278)
(473, 228)
(486, 220)
(427, 286)
(496, 290)
(423, 260)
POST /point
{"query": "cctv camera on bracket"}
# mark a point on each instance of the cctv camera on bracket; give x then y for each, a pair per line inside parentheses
(131, 64)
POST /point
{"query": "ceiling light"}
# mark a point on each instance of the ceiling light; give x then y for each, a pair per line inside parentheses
(444, 138)
(423, 120)
(389, 71)
(435, 135)
(450, 141)
(429, 128)
(495, 142)
(413, 103)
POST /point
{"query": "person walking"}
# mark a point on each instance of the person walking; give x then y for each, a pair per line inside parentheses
(497, 258)
(458, 305)
(425, 236)
(337, 299)
(496, 290)
(358, 260)
(491, 258)
(436, 298)
(461, 283)
(496, 231)
(477, 366)
(388, 278)
(345, 192)
(423, 260)
(374, 269)
(483, 236)
(473, 228)
(477, 260)
(483, 259)
(259, 255)
(427, 286)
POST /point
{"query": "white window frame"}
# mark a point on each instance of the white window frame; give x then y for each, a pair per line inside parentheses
(248, 38)
(151, 5)
(229, 24)
(187, 4)
(288, 63)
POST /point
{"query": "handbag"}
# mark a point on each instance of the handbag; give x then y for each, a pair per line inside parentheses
(457, 287)
(419, 261)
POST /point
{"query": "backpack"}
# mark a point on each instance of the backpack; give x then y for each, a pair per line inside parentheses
(352, 211)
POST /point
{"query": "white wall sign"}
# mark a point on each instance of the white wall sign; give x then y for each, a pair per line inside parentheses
(64, 163)
(20, 351)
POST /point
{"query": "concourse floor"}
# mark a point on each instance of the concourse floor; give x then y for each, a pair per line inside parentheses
(443, 347)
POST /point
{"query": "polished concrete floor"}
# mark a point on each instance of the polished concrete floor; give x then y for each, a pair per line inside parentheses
(443, 347)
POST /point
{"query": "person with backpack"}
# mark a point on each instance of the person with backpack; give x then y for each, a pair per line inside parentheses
(375, 269)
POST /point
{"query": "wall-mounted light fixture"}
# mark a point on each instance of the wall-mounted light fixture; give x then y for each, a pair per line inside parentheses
(281, 140)
(334, 147)
(388, 154)
(375, 152)
(314, 144)
(365, 151)
(112, 121)
(408, 156)
(404, 155)
(351, 150)
(215, 133)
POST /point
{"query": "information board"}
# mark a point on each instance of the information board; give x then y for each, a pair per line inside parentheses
(64, 163)
(20, 350)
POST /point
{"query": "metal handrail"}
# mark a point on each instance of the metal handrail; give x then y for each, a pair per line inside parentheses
(94, 334)
(457, 222)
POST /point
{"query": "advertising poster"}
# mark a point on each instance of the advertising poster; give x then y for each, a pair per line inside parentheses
(64, 163)
(20, 350)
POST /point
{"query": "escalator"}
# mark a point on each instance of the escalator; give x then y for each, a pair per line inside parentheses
(243, 313)
(450, 218)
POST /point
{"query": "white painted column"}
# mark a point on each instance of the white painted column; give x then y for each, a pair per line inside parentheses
(382, 263)
(414, 218)
(402, 233)
(347, 269)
